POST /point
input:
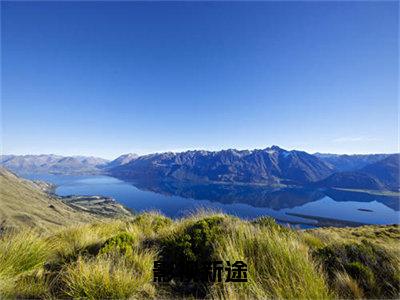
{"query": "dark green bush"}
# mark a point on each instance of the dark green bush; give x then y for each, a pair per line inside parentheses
(195, 243)
(193, 246)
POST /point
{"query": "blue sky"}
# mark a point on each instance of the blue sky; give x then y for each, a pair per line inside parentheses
(103, 78)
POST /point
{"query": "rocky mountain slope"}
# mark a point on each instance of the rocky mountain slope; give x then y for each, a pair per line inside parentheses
(272, 166)
(381, 175)
(121, 160)
(345, 162)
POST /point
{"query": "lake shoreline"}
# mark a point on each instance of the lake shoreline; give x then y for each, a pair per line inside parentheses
(177, 199)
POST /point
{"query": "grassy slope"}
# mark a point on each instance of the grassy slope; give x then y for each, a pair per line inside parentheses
(386, 236)
(23, 204)
(115, 259)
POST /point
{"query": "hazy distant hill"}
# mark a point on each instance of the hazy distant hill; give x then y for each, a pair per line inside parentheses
(380, 175)
(268, 166)
(344, 162)
(49, 163)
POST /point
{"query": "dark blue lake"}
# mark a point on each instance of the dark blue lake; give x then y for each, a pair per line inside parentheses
(176, 199)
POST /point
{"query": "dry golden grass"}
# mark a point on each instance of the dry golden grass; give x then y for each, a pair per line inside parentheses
(114, 259)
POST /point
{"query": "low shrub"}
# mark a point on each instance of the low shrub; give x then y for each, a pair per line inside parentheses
(122, 243)
(195, 243)
(190, 246)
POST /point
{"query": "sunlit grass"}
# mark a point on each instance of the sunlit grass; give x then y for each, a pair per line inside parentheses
(279, 264)
(110, 277)
(22, 252)
(114, 259)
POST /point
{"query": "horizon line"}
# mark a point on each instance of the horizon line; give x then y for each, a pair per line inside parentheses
(188, 150)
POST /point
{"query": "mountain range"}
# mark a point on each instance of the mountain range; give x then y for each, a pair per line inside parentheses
(55, 164)
(272, 166)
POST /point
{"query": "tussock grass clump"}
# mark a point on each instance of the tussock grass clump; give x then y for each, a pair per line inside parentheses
(278, 263)
(374, 268)
(346, 286)
(22, 257)
(77, 238)
(110, 277)
(28, 285)
(22, 252)
(152, 221)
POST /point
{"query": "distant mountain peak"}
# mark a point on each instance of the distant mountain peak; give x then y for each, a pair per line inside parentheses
(127, 155)
(121, 160)
(275, 147)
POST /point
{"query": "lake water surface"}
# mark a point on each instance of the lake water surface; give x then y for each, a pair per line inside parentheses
(175, 199)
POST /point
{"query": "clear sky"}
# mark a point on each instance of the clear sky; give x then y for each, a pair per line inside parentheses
(104, 78)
